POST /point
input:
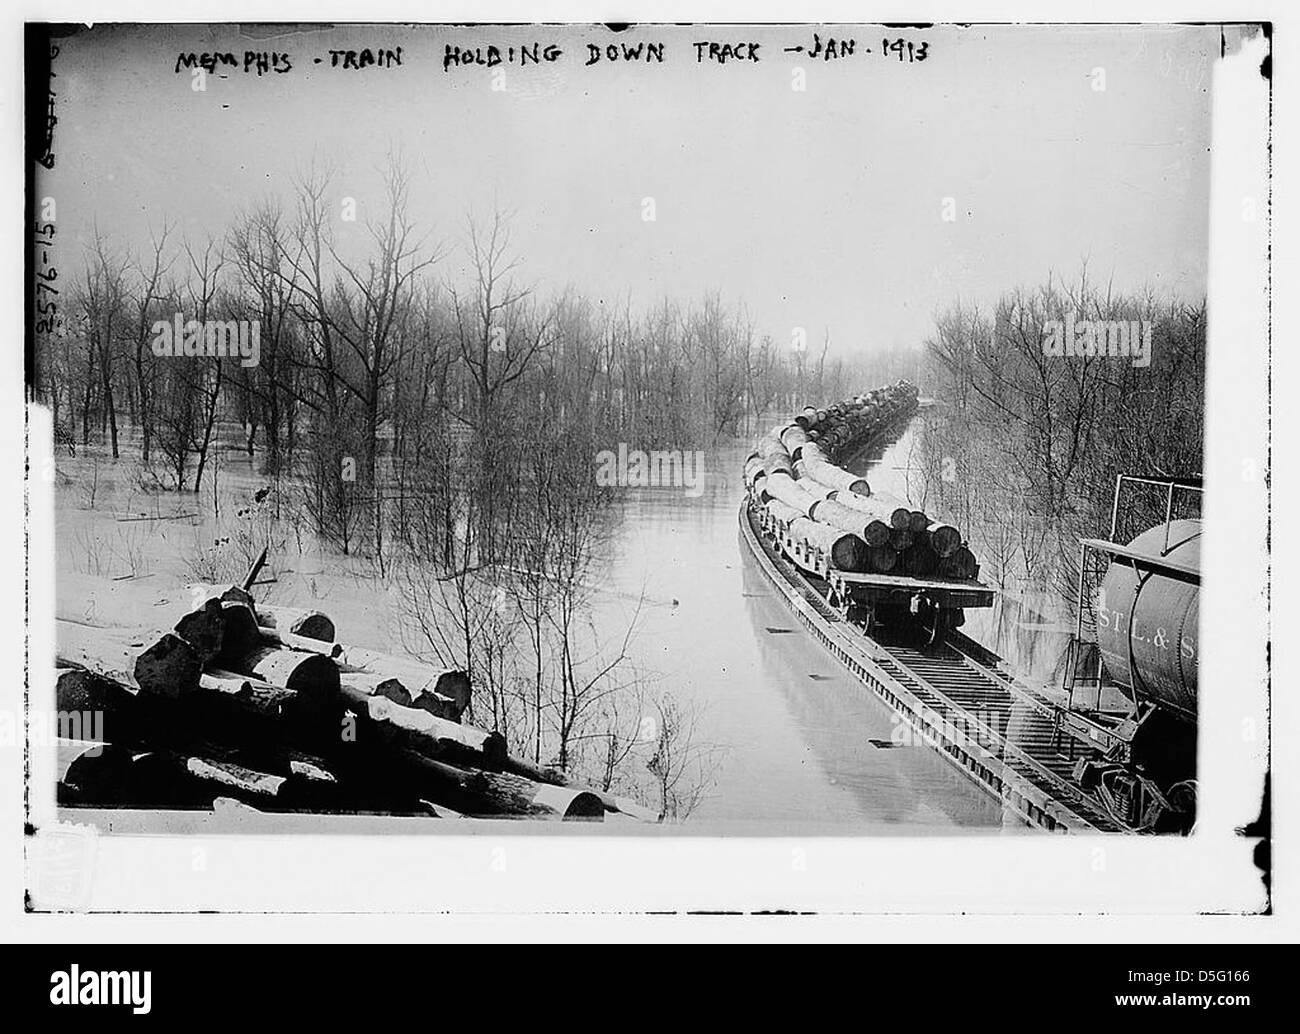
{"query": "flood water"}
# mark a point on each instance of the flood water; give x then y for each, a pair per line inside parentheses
(795, 730)
(799, 745)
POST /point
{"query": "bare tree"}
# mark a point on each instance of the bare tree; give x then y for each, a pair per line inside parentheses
(683, 766)
(102, 299)
(205, 273)
(149, 292)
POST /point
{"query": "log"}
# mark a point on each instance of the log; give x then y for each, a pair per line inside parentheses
(537, 773)
(834, 478)
(232, 717)
(777, 462)
(203, 629)
(944, 538)
(79, 690)
(814, 488)
(219, 681)
(430, 735)
(313, 677)
(813, 451)
(290, 641)
(611, 802)
(378, 686)
(240, 634)
(439, 706)
(567, 803)
(373, 779)
(920, 561)
(901, 539)
(110, 653)
(245, 712)
(92, 773)
(68, 751)
(254, 569)
(492, 745)
(310, 624)
(783, 512)
(918, 522)
(118, 714)
(882, 559)
(169, 668)
(877, 532)
(790, 492)
(836, 514)
(178, 780)
(793, 438)
(269, 700)
(554, 777)
(451, 686)
(229, 710)
(418, 678)
(879, 506)
(961, 564)
(845, 550)
(493, 794)
(900, 516)
(632, 809)
(395, 690)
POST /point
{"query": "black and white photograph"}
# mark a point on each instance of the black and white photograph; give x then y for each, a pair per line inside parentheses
(453, 443)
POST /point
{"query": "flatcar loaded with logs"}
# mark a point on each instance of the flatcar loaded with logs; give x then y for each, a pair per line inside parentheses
(877, 559)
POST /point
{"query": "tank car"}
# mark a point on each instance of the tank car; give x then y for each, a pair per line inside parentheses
(1146, 617)
(1144, 653)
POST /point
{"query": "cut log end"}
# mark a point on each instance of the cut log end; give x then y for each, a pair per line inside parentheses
(876, 533)
(240, 632)
(573, 805)
(310, 624)
(170, 667)
(203, 629)
(944, 539)
(454, 686)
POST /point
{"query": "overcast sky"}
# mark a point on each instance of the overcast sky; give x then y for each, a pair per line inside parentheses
(820, 208)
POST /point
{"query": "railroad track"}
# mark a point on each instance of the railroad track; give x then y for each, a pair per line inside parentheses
(959, 699)
(1017, 724)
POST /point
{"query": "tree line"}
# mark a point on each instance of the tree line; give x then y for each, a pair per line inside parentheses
(441, 427)
(1027, 444)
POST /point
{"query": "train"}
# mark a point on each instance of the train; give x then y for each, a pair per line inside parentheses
(879, 560)
(1143, 653)
(1115, 751)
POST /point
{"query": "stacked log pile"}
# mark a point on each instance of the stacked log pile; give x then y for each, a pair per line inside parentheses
(834, 514)
(260, 703)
